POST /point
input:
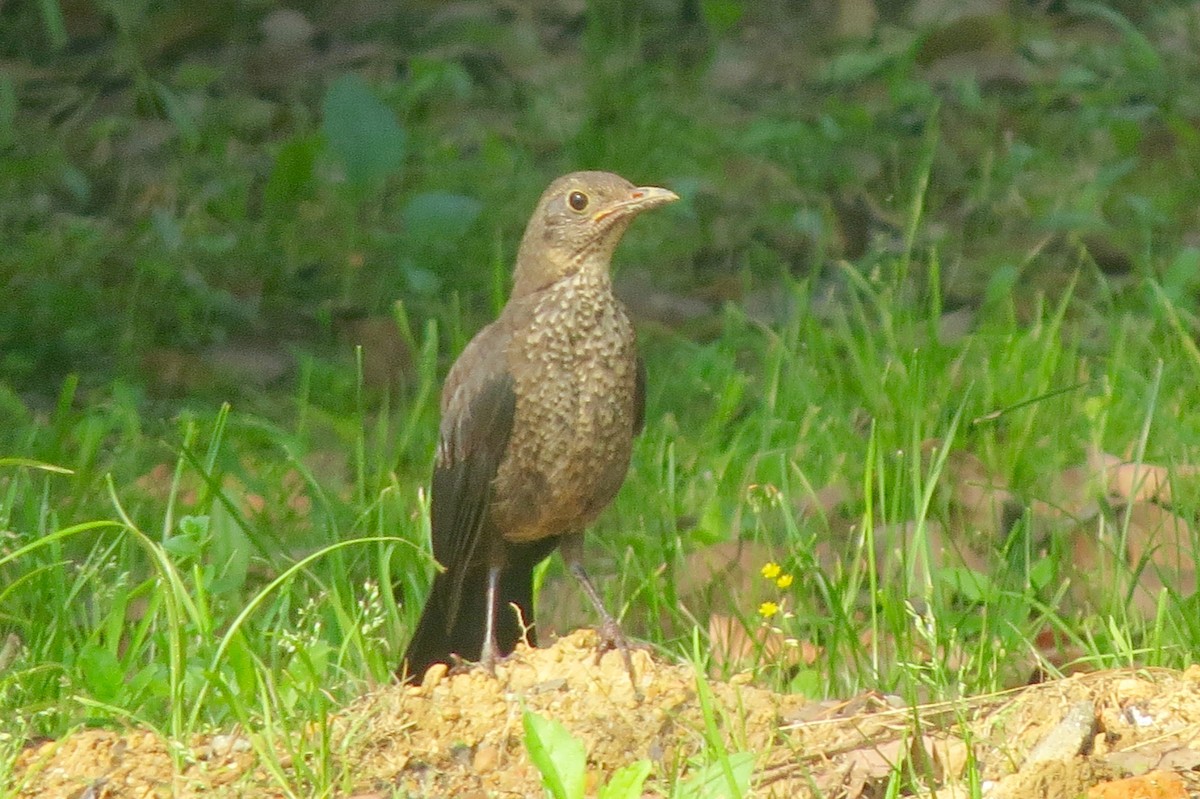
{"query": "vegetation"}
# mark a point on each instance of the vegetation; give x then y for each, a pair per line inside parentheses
(239, 251)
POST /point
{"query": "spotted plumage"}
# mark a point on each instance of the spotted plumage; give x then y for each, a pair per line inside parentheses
(538, 418)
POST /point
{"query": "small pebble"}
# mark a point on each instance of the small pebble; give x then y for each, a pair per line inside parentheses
(486, 759)
(435, 674)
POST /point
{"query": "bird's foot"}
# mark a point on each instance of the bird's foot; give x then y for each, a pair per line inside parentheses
(457, 664)
(489, 657)
(612, 638)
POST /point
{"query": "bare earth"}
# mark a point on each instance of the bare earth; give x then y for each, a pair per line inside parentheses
(461, 736)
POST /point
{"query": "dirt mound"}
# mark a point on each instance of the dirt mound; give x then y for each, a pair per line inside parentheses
(461, 735)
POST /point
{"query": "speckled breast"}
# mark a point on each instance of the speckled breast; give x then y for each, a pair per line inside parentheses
(575, 370)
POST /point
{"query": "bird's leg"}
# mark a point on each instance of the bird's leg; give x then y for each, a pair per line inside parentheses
(490, 653)
(611, 636)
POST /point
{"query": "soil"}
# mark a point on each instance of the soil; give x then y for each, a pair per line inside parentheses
(460, 734)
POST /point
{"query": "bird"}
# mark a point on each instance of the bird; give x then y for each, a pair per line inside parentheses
(538, 417)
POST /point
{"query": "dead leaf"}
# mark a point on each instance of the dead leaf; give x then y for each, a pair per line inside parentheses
(1154, 785)
(981, 500)
(1110, 257)
(386, 356)
(725, 579)
(823, 502)
(950, 757)
(172, 371)
(247, 362)
(1071, 498)
(896, 548)
(1180, 758)
(1133, 481)
(1148, 758)
(1160, 545)
(1158, 552)
(855, 781)
(956, 325)
(1076, 492)
(1132, 761)
(735, 647)
(876, 762)
(967, 35)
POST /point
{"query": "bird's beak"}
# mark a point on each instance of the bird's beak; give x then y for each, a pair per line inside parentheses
(640, 199)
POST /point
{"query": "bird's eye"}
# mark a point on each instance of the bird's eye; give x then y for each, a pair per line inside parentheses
(577, 200)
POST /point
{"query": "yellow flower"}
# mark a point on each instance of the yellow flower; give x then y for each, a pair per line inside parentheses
(784, 580)
(768, 609)
(770, 570)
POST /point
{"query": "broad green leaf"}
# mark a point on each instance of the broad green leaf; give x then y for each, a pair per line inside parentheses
(971, 585)
(1142, 55)
(101, 672)
(54, 23)
(626, 782)
(722, 15)
(230, 551)
(179, 114)
(361, 131)
(293, 172)
(558, 755)
(437, 216)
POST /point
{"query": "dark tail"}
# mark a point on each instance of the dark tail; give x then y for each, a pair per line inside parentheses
(437, 637)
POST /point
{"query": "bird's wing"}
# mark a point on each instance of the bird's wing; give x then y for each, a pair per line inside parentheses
(478, 405)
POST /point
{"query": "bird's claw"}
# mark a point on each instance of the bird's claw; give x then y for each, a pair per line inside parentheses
(612, 638)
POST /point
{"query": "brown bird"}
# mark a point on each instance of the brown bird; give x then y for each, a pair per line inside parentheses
(538, 418)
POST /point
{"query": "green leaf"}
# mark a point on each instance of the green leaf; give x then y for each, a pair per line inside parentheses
(626, 782)
(856, 66)
(194, 527)
(183, 548)
(230, 549)
(149, 681)
(1182, 275)
(101, 672)
(971, 585)
(721, 15)
(189, 543)
(437, 216)
(54, 23)
(1141, 54)
(362, 132)
(292, 176)
(1041, 573)
(179, 115)
(241, 660)
(559, 756)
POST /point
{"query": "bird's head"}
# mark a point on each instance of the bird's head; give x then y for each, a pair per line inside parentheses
(577, 224)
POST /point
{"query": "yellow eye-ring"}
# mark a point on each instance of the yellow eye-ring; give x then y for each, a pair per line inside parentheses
(577, 200)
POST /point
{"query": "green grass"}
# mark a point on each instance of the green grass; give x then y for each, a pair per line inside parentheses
(173, 561)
